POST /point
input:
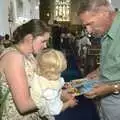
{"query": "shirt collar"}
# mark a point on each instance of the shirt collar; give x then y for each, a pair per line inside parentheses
(115, 26)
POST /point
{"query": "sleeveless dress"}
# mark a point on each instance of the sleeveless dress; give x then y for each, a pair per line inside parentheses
(10, 111)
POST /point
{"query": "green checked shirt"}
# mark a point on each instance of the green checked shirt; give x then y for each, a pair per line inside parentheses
(110, 52)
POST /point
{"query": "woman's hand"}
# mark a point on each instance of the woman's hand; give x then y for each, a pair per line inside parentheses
(99, 90)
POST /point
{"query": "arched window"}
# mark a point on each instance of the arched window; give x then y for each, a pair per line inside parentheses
(62, 10)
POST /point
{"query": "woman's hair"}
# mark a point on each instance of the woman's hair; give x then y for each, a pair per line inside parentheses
(87, 5)
(35, 27)
(51, 63)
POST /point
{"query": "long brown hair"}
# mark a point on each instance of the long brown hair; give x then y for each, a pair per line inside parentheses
(35, 27)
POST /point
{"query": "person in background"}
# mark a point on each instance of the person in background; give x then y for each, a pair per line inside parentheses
(56, 32)
(102, 21)
(1, 37)
(6, 41)
(17, 64)
(83, 43)
(6, 37)
(48, 83)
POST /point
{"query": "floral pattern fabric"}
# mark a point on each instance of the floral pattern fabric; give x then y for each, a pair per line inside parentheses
(10, 112)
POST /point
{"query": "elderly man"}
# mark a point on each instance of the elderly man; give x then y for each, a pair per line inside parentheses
(102, 21)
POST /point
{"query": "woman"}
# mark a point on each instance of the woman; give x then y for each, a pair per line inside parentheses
(16, 67)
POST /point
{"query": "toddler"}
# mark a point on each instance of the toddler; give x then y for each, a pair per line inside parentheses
(47, 87)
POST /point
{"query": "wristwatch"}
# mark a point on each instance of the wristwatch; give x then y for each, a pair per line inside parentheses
(116, 89)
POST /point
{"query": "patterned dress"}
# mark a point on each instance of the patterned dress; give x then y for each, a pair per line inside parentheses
(10, 112)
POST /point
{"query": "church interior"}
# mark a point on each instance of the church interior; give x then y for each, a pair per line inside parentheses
(67, 35)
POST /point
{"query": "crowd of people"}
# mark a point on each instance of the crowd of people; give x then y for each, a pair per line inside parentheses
(31, 86)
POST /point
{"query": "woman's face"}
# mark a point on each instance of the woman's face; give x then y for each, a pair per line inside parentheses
(40, 42)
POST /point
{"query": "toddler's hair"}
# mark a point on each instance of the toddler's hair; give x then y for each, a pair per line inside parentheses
(51, 63)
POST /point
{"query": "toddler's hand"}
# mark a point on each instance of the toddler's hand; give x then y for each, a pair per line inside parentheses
(66, 95)
(72, 102)
(67, 85)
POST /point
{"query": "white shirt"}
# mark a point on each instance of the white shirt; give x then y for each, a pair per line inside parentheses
(46, 94)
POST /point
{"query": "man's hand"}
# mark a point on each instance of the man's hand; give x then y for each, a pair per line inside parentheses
(99, 90)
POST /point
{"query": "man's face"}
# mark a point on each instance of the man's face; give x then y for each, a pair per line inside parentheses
(95, 23)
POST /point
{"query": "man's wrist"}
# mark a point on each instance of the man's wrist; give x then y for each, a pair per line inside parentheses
(116, 88)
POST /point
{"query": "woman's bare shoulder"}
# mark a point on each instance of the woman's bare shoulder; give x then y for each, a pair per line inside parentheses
(11, 58)
(12, 55)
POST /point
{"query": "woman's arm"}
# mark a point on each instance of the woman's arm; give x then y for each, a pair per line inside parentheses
(18, 83)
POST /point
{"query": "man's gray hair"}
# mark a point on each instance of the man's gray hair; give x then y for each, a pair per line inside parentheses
(86, 5)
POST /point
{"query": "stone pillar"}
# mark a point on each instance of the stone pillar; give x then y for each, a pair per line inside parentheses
(4, 24)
